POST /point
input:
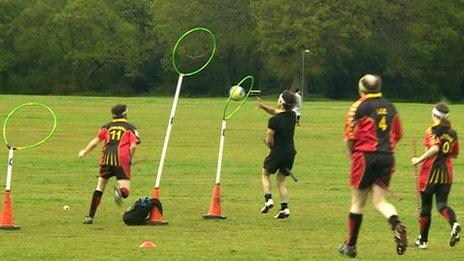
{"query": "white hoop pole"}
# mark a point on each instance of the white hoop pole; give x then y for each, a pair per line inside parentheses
(168, 131)
(9, 170)
(221, 149)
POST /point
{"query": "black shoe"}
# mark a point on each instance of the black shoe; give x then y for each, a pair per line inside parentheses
(346, 250)
(455, 234)
(401, 240)
(285, 213)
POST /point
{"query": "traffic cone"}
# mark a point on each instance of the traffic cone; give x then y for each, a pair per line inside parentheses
(6, 219)
(147, 244)
(215, 207)
(156, 215)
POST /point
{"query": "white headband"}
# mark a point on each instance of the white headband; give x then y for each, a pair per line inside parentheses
(281, 99)
(122, 114)
(439, 114)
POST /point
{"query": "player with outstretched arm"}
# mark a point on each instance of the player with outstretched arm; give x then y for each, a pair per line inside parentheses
(279, 139)
(120, 139)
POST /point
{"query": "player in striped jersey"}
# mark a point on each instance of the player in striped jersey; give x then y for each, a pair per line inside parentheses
(436, 174)
(120, 139)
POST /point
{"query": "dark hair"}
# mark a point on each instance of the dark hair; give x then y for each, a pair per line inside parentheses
(119, 111)
(443, 108)
(297, 90)
(289, 100)
(372, 86)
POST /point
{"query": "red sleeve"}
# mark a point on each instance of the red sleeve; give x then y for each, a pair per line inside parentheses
(350, 122)
(133, 137)
(430, 139)
(396, 130)
(455, 148)
(103, 134)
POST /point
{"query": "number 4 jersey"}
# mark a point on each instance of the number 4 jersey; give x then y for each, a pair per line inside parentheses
(118, 135)
(373, 125)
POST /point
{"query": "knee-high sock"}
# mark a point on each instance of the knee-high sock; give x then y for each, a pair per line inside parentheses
(354, 224)
(96, 198)
(449, 215)
(425, 221)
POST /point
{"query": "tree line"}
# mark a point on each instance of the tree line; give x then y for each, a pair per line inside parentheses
(123, 47)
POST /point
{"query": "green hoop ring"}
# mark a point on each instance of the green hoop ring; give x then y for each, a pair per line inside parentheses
(10, 115)
(249, 77)
(180, 40)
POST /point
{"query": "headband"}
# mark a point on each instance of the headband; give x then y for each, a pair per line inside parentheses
(439, 114)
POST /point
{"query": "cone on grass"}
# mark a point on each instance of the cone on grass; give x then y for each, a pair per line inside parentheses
(156, 214)
(147, 244)
(6, 219)
(215, 206)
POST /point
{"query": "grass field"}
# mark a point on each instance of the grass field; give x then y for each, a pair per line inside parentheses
(50, 176)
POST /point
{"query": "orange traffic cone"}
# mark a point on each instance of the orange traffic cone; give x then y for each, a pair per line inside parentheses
(6, 219)
(156, 215)
(147, 244)
(215, 207)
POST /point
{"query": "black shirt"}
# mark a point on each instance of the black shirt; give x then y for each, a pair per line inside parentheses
(283, 125)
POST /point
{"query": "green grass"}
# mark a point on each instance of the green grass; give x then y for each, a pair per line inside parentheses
(50, 176)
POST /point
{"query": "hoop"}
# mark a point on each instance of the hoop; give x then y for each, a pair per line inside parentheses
(249, 77)
(180, 40)
(10, 115)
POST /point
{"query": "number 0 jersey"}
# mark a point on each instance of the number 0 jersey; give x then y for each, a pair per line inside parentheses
(373, 125)
(118, 135)
(439, 168)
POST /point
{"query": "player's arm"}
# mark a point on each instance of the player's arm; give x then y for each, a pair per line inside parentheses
(269, 109)
(349, 147)
(92, 144)
(455, 149)
(433, 150)
(270, 138)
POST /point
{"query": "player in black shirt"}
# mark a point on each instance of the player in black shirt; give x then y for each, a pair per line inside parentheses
(279, 139)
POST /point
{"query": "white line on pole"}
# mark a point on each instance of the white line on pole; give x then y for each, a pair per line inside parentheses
(221, 149)
(168, 131)
(9, 170)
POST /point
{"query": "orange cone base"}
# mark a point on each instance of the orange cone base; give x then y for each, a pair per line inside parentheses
(157, 222)
(9, 227)
(156, 218)
(216, 217)
(147, 244)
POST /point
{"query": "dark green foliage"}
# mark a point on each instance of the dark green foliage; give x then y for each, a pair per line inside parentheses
(124, 47)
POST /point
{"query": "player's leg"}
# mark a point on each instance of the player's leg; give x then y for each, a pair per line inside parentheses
(285, 169)
(284, 211)
(384, 165)
(269, 167)
(355, 217)
(121, 190)
(447, 212)
(425, 219)
(96, 198)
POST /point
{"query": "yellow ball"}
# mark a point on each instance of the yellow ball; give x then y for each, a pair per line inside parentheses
(237, 93)
(65, 207)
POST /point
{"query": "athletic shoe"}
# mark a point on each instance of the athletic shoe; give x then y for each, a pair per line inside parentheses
(455, 234)
(283, 214)
(268, 205)
(88, 220)
(117, 196)
(400, 233)
(346, 250)
(419, 243)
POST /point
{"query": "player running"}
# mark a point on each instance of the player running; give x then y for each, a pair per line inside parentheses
(436, 174)
(372, 130)
(120, 139)
(279, 139)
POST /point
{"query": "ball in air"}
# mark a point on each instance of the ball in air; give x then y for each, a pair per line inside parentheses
(65, 207)
(237, 93)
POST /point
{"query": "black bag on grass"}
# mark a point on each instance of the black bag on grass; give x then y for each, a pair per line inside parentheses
(139, 212)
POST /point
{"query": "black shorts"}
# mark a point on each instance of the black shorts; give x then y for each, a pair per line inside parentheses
(273, 163)
(107, 172)
(376, 168)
